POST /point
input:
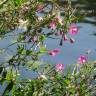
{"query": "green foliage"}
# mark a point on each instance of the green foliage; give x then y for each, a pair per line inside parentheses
(60, 84)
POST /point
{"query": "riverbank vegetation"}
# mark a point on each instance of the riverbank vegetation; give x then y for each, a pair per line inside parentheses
(28, 24)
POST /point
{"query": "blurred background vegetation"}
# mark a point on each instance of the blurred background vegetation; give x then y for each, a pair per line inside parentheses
(85, 8)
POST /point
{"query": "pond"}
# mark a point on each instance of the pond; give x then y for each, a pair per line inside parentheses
(85, 40)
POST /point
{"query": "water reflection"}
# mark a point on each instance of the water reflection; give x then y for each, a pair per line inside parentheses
(87, 7)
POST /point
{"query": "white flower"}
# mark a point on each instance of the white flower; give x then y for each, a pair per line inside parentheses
(23, 24)
(43, 77)
(40, 18)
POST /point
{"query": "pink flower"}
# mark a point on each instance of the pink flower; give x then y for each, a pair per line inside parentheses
(54, 52)
(73, 30)
(59, 19)
(40, 18)
(65, 37)
(53, 25)
(24, 9)
(72, 40)
(59, 67)
(39, 8)
(34, 39)
(82, 59)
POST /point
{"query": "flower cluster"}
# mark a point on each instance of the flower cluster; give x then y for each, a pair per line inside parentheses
(72, 29)
(55, 22)
(58, 67)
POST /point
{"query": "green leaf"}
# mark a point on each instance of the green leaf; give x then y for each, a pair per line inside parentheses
(67, 81)
(58, 25)
(42, 38)
(19, 2)
(42, 49)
